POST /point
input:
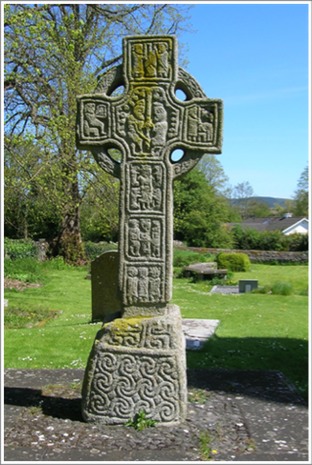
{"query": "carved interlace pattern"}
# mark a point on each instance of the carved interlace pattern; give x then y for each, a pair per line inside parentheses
(143, 335)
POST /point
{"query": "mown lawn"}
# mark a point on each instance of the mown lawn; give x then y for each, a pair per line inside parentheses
(256, 331)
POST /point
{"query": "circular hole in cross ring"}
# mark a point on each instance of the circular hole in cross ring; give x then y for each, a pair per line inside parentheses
(117, 91)
(180, 94)
(176, 155)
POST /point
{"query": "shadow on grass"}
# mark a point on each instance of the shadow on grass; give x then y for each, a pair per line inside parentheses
(254, 367)
(250, 355)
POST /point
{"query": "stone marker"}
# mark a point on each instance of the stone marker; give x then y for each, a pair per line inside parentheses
(138, 361)
(106, 296)
(205, 270)
(247, 285)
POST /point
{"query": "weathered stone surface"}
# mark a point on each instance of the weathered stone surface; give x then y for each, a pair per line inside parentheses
(137, 364)
(106, 296)
(141, 365)
(146, 124)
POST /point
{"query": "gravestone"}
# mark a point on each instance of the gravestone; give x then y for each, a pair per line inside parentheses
(247, 285)
(137, 362)
(106, 297)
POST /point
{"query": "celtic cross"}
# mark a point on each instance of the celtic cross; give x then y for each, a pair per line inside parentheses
(147, 123)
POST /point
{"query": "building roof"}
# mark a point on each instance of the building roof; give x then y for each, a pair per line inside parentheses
(271, 224)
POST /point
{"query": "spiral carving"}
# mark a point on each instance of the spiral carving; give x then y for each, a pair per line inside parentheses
(125, 383)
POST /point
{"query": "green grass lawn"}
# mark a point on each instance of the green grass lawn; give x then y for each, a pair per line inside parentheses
(256, 331)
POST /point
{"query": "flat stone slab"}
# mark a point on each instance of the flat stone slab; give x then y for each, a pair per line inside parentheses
(201, 267)
(206, 270)
(197, 331)
(224, 290)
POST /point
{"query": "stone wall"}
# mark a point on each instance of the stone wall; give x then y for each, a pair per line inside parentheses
(263, 256)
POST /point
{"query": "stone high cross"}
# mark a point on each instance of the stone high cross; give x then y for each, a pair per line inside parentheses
(147, 123)
(138, 361)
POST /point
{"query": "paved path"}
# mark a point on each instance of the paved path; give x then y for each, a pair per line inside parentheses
(232, 416)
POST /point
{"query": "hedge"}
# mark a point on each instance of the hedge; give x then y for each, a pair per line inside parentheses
(233, 261)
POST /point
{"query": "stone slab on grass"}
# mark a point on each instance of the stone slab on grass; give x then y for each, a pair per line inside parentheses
(197, 331)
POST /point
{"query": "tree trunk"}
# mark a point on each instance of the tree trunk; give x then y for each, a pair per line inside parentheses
(69, 244)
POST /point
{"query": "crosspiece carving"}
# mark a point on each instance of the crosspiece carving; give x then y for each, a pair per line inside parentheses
(146, 123)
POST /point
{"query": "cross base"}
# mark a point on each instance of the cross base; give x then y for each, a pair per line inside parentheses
(137, 364)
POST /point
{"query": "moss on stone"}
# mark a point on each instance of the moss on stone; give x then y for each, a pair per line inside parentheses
(123, 325)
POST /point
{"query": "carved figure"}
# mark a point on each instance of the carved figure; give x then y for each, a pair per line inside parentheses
(146, 237)
(155, 283)
(205, 128)
(146, 187)
(192, 124)
(134, 238)
(151, 63)
(137, 61)
(143, 284)
(160, 125)
(132, 284)
(155, 239)
(92, 124)
(162, 60)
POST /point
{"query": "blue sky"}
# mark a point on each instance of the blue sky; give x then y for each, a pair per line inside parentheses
(255, 58)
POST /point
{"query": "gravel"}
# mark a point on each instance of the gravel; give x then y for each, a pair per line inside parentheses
(232, 415)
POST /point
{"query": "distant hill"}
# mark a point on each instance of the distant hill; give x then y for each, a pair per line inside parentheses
(270, 201)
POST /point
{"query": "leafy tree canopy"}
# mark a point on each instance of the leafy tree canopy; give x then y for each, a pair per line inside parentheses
(54, 52)
(301, 197)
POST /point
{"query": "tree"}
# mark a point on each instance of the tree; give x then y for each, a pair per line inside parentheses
(100, 209)
(52, 54)
(199, 212)
(30, 198)
(214, 174)
(242, 194)
(301, 197)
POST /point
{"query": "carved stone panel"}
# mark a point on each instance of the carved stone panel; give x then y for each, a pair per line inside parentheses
(146, 184)
(137, 364)
(94, 120)
(144, 284)
(150, 58)
(145, 238)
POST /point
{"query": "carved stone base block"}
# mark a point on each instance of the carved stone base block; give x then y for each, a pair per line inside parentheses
(137, 364)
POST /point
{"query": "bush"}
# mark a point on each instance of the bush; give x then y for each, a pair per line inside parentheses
(233, 261)
(19, 248)
(282, 288)
(187, 257)
(251, 239)
(94, 249)
(298, 242)
(24, 269)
